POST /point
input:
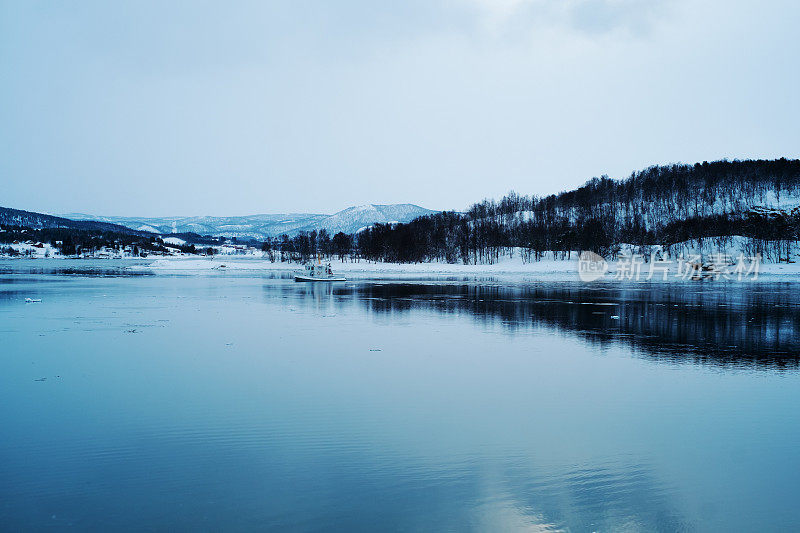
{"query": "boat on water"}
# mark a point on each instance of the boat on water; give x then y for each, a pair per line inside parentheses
(317, 272)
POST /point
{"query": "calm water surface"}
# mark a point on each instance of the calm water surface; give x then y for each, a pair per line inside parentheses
(241, 402)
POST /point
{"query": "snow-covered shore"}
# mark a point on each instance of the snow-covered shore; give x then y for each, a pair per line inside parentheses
(505, 266)
(550, 269)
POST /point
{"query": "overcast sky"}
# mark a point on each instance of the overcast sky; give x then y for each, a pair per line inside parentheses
(229, 108)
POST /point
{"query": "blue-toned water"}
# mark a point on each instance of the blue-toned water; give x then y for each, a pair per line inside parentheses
(241, 402)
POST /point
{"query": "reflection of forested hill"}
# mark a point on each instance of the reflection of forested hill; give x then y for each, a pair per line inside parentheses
(735, 325)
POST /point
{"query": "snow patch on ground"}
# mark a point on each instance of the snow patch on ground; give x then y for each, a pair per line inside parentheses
(33, 250)
(174, 241)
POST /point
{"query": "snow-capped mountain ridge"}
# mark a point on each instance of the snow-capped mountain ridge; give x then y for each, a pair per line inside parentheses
(261, 226)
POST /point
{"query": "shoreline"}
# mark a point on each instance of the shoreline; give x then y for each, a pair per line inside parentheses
(545, 269)
(566, 270)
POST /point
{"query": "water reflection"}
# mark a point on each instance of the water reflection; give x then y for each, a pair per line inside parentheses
(746, 325)
(245, 401)
(32, 269)
(597, 498)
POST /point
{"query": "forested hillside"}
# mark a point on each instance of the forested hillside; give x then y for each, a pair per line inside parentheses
(29, 219)
(661, 205)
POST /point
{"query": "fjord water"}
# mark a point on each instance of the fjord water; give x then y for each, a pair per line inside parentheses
(241, 402)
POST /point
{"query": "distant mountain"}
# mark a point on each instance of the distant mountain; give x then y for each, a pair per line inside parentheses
(18, 217)
(349, 220)
(354, 219)
(247, 227)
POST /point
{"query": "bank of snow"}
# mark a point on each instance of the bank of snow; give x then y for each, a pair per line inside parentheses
(175, 241)
(504, 266)
(549, 269)
(27, 249)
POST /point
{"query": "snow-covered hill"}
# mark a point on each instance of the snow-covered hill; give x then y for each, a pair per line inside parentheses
(252, 226)
(354, 219)
(349, 220)
(30, 219)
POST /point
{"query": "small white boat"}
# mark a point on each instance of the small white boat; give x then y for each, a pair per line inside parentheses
(318, 272)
